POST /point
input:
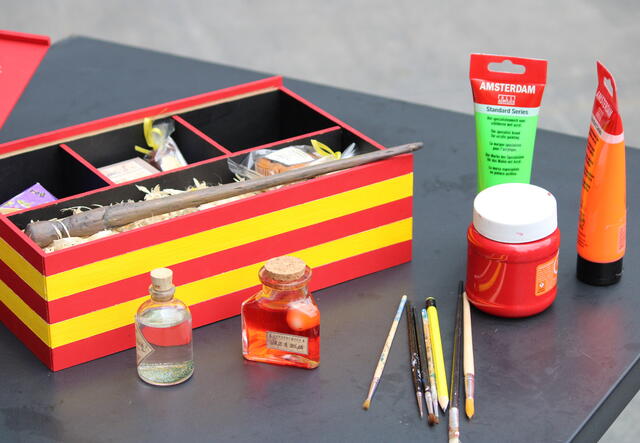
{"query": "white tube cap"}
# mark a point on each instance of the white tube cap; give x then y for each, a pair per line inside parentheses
(515, 213)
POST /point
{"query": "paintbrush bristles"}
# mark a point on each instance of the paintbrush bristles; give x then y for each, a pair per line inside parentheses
(366, 404)
(469, 407)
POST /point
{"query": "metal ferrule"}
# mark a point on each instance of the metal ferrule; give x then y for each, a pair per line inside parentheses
(469, 385)
(454, 425)
(429, 400)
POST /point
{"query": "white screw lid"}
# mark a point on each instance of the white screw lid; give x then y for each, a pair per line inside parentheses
(515, 213)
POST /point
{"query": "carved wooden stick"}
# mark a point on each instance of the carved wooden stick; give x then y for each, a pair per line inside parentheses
(108, 217)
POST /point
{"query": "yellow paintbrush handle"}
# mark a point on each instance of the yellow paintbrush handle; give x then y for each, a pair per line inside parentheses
(438, 357)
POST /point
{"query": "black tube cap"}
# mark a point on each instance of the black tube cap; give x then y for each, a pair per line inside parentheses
(598, 274)
(430, 302)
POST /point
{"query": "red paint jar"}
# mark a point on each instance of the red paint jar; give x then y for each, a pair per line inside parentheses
(512, 252)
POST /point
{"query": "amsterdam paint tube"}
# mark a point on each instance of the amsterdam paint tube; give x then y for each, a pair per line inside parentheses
(506, 106)
(603, 210)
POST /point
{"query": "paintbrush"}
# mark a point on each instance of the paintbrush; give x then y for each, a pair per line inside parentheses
(383, 355)
(428, 398)
(469, 370)
(414, 358)
(430, 368)
(438, 356)
(454, 412)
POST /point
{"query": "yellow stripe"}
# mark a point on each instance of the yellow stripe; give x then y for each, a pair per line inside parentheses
(26, 315)
(225, 237)
(22, 267)
(120, 315)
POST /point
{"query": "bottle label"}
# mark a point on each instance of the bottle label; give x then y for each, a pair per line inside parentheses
(546, 276)
(143, 347)
(288, 342)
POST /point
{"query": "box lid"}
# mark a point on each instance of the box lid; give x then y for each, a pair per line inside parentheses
(20, 55)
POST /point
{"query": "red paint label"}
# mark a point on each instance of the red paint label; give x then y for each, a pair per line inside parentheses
(546, 276)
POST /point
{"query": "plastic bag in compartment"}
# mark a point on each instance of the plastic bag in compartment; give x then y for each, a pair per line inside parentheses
(164, 153)
(274, 161)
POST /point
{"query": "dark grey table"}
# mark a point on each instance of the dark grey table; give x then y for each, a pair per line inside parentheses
(564, 374)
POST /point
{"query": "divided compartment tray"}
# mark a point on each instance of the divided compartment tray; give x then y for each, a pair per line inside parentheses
(212, 172)
(266, 118)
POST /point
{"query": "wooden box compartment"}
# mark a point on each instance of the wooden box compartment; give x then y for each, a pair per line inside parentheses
(255, 121)
(77, 304)
(118, 145)
(45, 165)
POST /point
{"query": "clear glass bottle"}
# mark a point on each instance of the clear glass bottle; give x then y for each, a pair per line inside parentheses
(164, 347)
(281, 323)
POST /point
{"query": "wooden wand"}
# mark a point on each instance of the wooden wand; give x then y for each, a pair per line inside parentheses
(109, 217)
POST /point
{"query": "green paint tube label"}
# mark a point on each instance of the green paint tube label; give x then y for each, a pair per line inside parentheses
(505, 138)
(507, 92)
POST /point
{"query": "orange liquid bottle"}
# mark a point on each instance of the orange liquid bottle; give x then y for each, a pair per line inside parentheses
(281, 323)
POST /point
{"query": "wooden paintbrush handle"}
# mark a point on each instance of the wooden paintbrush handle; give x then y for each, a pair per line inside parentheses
(468, 340)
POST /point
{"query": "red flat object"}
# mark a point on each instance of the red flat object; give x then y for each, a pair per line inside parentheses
(20, 55)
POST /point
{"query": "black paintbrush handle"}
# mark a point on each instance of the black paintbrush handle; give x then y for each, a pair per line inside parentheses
(413, 349)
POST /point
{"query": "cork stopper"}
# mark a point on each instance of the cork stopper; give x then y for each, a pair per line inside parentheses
(285, 269)
(162, 288)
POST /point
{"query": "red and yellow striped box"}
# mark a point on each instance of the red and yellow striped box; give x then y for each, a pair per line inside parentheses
(78, 304)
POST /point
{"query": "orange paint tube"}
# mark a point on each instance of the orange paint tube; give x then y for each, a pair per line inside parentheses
(603, 210)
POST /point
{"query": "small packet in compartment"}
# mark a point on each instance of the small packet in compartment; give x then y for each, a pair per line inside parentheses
(128, 170)
(32, 196)
(266, 162)
(164, 153)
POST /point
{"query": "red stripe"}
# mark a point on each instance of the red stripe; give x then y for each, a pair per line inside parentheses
(200, 134)
(229, 305)
(86, 164)
(22, 244)
(224, 261)
(24, 291)
(249, 207)
(25, 335)
(331, 117)
(94, 347)
(137, 114)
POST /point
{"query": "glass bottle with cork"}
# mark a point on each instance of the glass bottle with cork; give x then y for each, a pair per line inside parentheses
(281, 323)
(164, 347)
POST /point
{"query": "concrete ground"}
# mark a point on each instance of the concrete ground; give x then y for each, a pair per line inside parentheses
(407, 49)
